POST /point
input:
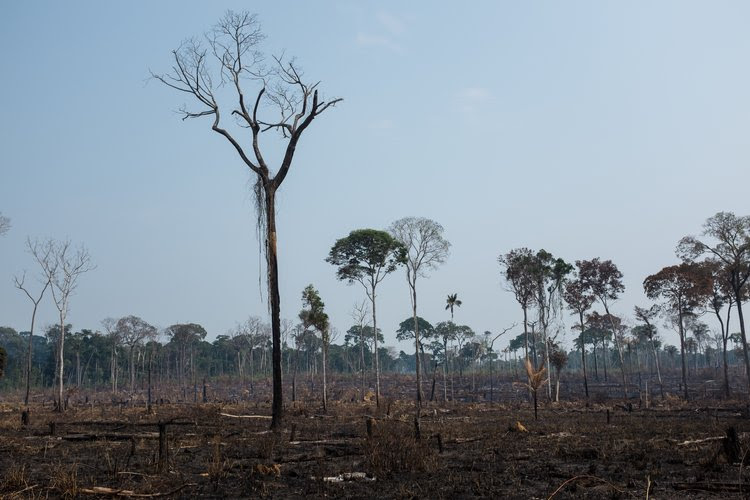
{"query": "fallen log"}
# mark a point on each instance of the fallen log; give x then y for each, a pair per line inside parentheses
(110, 436)
(244, 416)
(101, 490)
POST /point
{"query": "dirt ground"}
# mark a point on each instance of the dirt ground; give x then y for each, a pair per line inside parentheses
(670, 449)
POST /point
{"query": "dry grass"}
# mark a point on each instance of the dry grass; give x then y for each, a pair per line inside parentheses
(217, 467)
(64, 479)
(15, 477)
(393, 449)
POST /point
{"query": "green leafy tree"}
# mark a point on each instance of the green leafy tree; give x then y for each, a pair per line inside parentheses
(367, 256)
(452, 302)
(185, 336)
(406, 331)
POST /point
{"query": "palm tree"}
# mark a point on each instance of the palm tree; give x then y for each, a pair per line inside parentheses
(451, 302)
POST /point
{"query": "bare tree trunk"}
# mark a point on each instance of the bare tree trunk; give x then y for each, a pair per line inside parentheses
(682, 349)
(294, 374)
(113, 367)
(738, 301)
(377, 364)
(658, 369)
(149, 381)
(623, 371)
(132, 368)
(60, 361)
(724, 339)
(416, 342)
(525, 334)
(362, 357)
(547, 362)
(583, 355)
(277, 405)
(434, 379)
(325, 382)
(445, 370)
(29, 356)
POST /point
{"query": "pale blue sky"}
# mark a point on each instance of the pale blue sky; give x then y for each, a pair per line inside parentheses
(589, 129)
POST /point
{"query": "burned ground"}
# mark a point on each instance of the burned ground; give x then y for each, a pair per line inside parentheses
(607, 449)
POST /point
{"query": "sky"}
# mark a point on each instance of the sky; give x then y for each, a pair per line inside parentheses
(587, 128)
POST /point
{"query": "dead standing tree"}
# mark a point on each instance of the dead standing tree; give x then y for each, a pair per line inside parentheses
(426, 249)
(232, 43)
(42, 253)
(63, 269)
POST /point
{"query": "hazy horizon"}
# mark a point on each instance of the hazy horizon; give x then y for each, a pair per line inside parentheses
(588, 129)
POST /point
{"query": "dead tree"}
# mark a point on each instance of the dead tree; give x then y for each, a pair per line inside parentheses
(232, 45)
(63, 269)
(42, 254)
(426, 249)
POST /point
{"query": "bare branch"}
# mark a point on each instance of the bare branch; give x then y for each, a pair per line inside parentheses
(4, 224)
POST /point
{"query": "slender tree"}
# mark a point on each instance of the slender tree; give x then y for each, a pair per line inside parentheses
(604, 281)
(63, 269)
(728, 242)
(519, 273)
(426, 249)
(549, 275)
(313, 315)
(647, 316)
(685, 287)
(558, 359)
(110, 327)
(367, 256)
(42, 253)
(445, 332)
(134, 331)
(185, 335)
(722, 296)
(580, 299)
(406, 331)
(359, 314)
(233, 45)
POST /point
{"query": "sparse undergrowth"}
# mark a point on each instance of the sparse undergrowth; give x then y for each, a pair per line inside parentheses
(481, 449)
